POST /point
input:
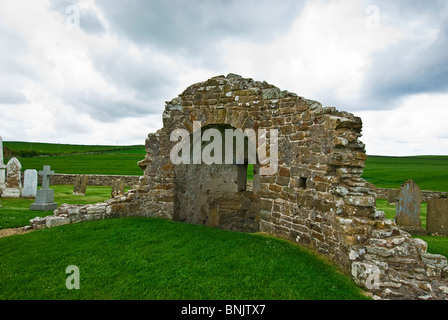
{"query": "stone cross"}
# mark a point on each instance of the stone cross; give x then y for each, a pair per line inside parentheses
(45, 196)
(46, 173)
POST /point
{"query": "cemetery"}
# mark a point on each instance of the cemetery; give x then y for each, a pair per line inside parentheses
(315, 196)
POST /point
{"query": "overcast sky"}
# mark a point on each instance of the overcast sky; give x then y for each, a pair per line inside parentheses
(106, 79)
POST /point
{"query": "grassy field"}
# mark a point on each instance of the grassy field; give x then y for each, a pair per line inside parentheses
(144, 258)
(58, 148)
(80, 159)
(429, 172)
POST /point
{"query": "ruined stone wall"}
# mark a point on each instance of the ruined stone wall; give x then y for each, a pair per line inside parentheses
(320, 159)
(93, 179)
(316, 197)
(382, 193)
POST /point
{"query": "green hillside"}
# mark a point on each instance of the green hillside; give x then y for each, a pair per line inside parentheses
(429, 172)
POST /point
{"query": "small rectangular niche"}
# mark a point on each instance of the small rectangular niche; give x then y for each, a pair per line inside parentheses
(302, 183)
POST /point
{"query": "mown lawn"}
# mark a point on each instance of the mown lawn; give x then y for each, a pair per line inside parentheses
(429, 172)
(155, 259)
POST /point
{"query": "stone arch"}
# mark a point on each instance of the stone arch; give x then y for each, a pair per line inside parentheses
(215, 193)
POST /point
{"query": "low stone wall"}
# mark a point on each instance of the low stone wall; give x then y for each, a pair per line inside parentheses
(93, 179)
(381, 193)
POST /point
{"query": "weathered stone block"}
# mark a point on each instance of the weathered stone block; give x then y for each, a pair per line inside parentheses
(437, 216)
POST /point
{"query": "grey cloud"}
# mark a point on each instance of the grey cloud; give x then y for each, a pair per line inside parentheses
(108, 108)
(11, 95)
(147, 78)
(411, 65)
(192, 27)
(13, 72)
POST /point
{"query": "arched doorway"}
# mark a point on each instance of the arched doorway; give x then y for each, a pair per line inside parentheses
(216, 194)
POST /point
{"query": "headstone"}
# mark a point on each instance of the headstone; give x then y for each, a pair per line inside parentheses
(2, 169)
(80, 185)
(117, 188)
(45, 196)
(392, 196)
(437, 216)
(408, 205)
(30, 183)
(13, 187)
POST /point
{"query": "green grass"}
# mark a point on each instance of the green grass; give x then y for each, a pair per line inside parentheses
(145, 258)
(429, 172)
(16, 213)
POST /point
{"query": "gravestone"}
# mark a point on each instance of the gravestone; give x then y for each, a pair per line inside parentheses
(117, 188)
(45, 196)
(30, 183)
(2, 169)
(80, 185)
(392, 196)
(408, 205)
(13, 186)
(437, 216)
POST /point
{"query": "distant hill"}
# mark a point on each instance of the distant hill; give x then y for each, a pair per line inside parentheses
(78, 159)
(32, 149)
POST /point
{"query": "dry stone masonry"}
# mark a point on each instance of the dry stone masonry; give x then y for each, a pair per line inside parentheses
(316, 197)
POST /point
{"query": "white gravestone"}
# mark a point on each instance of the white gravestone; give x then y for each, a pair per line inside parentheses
(29, 183)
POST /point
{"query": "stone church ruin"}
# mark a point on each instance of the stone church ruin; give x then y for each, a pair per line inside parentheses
(315, 197)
